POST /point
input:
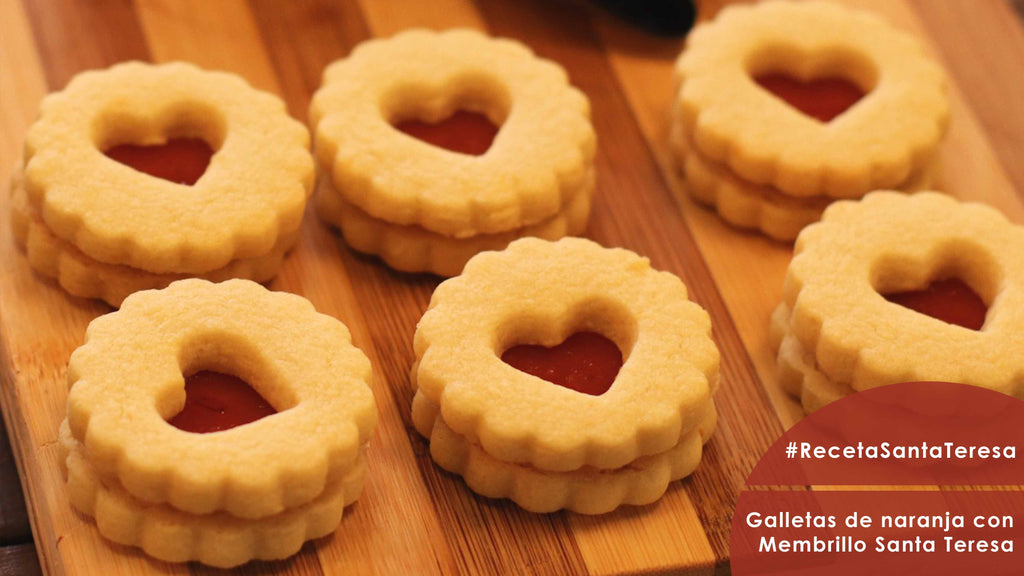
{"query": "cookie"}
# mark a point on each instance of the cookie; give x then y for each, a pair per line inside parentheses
(251, 196)
(127, 382)
(420, 206)
(540, 159)
(737, 123)
(846, 323)
(539, 293)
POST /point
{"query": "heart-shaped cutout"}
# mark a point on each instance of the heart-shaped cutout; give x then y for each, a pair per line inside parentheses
(179, 160)
(822, 98)
(950, 300)
(464, 132)
(586, 362)
(216, 401)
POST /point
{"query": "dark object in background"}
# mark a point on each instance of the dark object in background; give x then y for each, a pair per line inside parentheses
(661, 17)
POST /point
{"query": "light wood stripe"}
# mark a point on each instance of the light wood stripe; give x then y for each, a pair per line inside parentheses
(22, 85)
(218, 35)
(665, 536)
(73, 36)
(388, 18)
(984, 51)
(971, 167)
(367, 542)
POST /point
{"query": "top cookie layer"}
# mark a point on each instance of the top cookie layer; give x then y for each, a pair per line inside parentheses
(541, 292)
(539, 159)
(891, 133)
(890, 242)
(253, 192)
(127, 381)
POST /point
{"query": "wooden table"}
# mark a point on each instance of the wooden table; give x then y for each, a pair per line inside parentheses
(414, 519)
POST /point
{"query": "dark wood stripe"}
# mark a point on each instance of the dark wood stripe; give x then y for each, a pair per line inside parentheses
(987, 68)
(20, 560)
(73, 36)
(14, 525)
(328, 30)
(635, 208)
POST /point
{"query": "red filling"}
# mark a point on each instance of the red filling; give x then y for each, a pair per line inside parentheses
(180, 160)
(215, 402)
(823, 99)
(951, 301)
(586, 362)
(464, 132)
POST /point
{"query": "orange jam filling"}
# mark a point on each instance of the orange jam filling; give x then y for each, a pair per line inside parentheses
(463, 132)
(822, 99)
(586, 362)
(180, 160)
(951, 301)
(215, 402)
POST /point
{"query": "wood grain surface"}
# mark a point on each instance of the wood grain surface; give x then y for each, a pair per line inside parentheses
(413, 518)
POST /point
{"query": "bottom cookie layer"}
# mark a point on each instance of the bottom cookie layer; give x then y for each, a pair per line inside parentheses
(587, 490)
(796, 370)
(80, 275)
(217, 539)
(753, 206)
(415, 249)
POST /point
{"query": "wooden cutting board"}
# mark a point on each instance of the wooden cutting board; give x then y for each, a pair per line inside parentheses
(413, 518)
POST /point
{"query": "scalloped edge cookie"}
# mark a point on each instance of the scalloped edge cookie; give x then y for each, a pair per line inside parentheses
(875, 144)
(217, 539)
(585, 490)
(414, 249)
(890, 242)
(84, 277)
(127, 380)
(253, 192)
(540, 159)
(540, 292)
